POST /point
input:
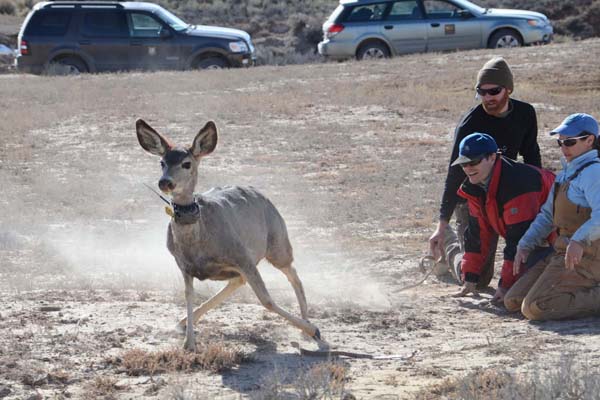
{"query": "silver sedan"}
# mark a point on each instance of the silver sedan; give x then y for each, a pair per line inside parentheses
(377, 29)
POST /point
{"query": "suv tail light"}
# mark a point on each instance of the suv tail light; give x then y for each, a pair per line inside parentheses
(333, 30)
(23, 48)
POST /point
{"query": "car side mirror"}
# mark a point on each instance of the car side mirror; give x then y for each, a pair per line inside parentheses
(164, 33)
(465, 14)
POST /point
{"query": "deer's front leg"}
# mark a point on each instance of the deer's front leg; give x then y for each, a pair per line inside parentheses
(190, 340)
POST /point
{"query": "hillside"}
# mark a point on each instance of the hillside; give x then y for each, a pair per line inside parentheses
(287, 31)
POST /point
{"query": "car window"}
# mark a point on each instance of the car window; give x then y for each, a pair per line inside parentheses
(49, 23)
(107, 23)
(441, 9)
(405, 9)
(370, 12)
(143, 25)
(172, 20)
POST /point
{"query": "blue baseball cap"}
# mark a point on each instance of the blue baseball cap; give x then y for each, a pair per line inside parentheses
(576, 124)
(474, 147)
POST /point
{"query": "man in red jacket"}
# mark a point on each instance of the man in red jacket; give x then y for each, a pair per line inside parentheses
(503, 197)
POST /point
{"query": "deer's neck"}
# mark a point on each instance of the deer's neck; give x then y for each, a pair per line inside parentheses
(186, 213)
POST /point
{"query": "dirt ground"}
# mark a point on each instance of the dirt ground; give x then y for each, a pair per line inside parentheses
(352, 154)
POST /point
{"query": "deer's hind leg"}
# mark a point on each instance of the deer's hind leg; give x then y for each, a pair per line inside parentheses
(281, 256)
(292, 276)
(213, 302)
(258, 286)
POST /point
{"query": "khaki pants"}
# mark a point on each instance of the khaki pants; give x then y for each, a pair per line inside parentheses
(454, 247)
(549, 291)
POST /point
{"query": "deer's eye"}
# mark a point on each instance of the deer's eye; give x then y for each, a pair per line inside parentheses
(186, 165)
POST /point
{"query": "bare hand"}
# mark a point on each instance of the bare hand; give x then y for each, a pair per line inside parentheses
(499, 296)
(468, 288)
(520, 259)
(573, 255)
(436, 241)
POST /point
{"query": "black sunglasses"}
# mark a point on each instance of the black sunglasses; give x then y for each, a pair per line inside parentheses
(473, 163)
(570, 141)
(492, 91)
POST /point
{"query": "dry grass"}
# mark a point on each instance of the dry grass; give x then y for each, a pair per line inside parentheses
(102, 387)
(570, 378)
(213, 357)
(321, 381)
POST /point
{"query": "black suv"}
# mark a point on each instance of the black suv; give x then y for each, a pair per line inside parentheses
(85, 36)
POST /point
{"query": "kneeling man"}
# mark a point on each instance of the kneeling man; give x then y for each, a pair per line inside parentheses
(503, 198)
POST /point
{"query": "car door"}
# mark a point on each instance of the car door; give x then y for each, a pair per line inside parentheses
(451, 27)
(105, 38)
(405, 27)
(153, 44)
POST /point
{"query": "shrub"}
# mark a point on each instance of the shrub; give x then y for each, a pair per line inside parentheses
(215, 357)
(7, 7)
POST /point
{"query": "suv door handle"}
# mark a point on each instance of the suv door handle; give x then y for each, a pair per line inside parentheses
(435, 24)
(85, 42)
(388, 27)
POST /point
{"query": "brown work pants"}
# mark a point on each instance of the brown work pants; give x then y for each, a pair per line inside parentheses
(549, 291)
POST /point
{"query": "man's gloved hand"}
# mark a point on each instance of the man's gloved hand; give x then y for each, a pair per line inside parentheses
(436, 241)
(520, 260)
(573, 255)
(498, 298)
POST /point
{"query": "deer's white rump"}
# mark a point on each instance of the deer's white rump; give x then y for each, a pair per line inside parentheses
(221, 234)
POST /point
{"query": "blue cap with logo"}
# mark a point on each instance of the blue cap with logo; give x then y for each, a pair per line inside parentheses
(474, 147)
(576, 125)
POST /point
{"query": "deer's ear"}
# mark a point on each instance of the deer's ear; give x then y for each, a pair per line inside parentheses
(205, 141)
(150, 140)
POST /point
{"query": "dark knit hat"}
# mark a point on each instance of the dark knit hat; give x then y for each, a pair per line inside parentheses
(497, 72)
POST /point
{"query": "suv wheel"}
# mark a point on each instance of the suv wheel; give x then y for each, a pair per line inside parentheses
(67, 66)
(505, 38)
(212, 63)
(372, 51)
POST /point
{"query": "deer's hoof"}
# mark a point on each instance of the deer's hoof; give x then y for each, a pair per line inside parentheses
(189, 347)
(317, 335)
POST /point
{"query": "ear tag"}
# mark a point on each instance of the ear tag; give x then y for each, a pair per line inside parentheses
(169, 212)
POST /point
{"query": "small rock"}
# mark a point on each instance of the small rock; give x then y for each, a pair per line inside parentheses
(50, 308)
(4, 391)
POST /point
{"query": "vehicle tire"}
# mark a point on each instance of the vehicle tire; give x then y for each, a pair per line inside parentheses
(67, 66)
(213, 62)
(505, 38)
(372, 51)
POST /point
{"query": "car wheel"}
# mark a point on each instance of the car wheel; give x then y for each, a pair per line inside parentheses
(67, 66)
(212, 63)
(372, 51)
(505, 38)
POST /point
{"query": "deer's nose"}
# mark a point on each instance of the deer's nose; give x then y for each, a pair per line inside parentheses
(166, 185)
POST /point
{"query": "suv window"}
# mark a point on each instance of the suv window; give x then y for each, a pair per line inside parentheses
(109, 23)
(441, 9)
(49, 23)
(406, 9)
(370, 12)
(143, 25)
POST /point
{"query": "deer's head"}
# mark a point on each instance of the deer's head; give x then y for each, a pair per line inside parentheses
(179, 163)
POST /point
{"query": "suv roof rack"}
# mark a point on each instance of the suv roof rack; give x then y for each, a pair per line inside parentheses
(85, 3)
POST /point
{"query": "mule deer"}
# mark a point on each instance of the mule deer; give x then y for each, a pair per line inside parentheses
(221, 234)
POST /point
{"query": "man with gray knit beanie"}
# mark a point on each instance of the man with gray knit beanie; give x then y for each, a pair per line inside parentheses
(513, 125)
